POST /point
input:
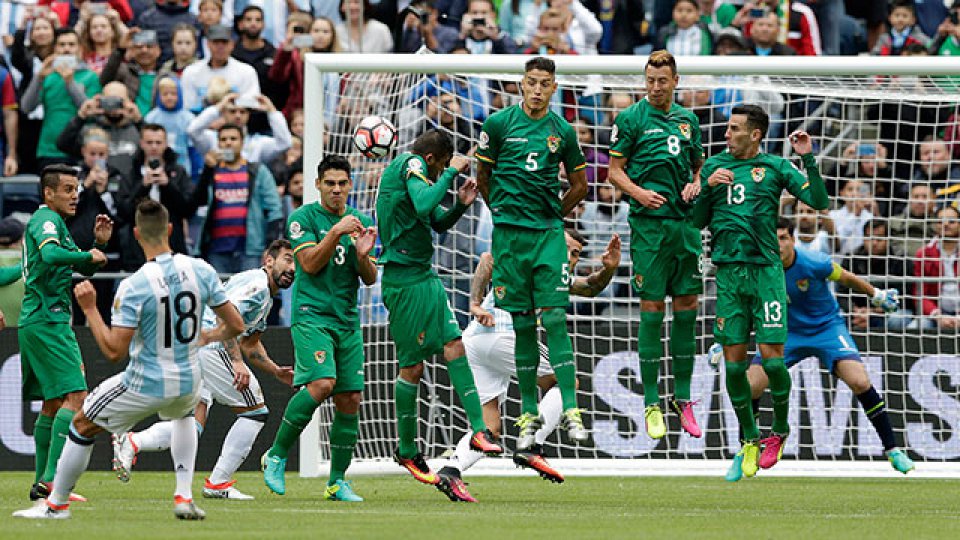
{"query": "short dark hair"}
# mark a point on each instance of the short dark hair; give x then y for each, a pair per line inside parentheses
(329, 162)
(251, 8)
(576, 235)
(661, 58)
(948, 207)
(874, 223)
(274, 248)
(756, 117)
(914, 48)
(434, 142)
(150, 126)
(50, 176)
(151, 220)
(230, 125)
(542, 63)
(784, 223)
(903, 4)
(62, 31)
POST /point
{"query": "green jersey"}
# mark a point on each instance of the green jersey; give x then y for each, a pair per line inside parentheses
(526, 155)
(662, 150)
(743, 215)
(408, 209)
(49, 258)
(59, 109)
(329, 297)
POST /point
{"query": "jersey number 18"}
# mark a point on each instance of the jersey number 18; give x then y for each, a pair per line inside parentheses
(185, 324)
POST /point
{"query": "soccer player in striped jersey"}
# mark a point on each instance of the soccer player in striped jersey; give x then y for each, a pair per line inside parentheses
(157, 317)
(226, 378)
(489, 341)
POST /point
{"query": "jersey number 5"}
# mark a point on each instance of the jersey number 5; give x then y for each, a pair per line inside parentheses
(185, 325)
(532, 164)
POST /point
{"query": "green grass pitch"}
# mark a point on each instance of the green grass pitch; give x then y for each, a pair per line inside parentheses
(527, 508)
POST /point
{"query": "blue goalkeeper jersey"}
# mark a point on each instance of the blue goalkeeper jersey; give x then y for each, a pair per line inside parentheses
(812, 304)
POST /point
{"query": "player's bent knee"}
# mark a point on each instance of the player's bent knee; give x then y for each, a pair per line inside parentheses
(412, 374)
(320, 389)
(554, 318)
(685, 303)
(737, 369)
(347, 402)
(525, 322)
(453, 349)
(74, 400)
(84, 427)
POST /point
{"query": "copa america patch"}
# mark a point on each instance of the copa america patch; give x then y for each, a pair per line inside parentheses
(614, 134)
(415, 166)
(484, 141)
(296, 231)
(49, 227)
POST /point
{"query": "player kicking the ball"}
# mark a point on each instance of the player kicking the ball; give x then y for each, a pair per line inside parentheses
(489, 341)
(817, 328)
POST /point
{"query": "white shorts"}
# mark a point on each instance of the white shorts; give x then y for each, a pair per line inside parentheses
(491, 358)
(116, 408)
(216, 375)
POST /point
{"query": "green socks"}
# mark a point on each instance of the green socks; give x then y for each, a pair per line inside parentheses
(343, 439)
(683, 345)
(462, 378)
(650, 349)
(59, 431)
(738, 387)
(405, 401)
(780, 382)
(527, 353)
(41, 438)
(561, 355)
(297, 415)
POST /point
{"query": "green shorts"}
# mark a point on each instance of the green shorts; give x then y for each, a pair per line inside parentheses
(50, 361)
(421, 321)
(328, 353)
(748, 296)
(531, 269)
(667, 257)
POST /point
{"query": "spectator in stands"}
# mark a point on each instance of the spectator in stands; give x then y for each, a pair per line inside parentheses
(903, 30)
(115, 113)
(157, 175)
(549, 38)
(597, 159)
(420, 26)
(512, 19)
(184, 46)
(297, 122)
(277, 13)
(293, 190)
(443, 112)
(614, 102)
(253, 49)
(168, 112)
(361, 33)
(947, 40)
(939, 301)
(479, 31)
(581, 29)
(930, 14)
(910, 229)
(717, 15)
(763, 37)
(730, 41)
(282, 166)
(60, 87)
(241, 77)
(10, 130)
(98, 38)
(858, 208)
(77, 11)
(803, 34)
(882, 264)
(28, 59)
(624, 25)
(686, 35)
(288, 64)
(244, 212)
(713, 124)
(933, 165)
(134, 63)
(815, 231)
(164, 17)
(604, 217)
(11, 253)
(234, 109)
(867, 162)
(209, 13)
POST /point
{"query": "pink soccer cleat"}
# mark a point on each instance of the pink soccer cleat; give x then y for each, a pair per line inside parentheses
(688, 421)
(772, 450)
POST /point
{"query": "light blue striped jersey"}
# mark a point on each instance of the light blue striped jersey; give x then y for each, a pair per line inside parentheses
(502, 320)
(164, 302)
(250, 292)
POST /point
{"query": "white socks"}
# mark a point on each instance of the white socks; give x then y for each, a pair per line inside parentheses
(236, 446)
(551, 409)
(73, 462)
(155, 438)
(464, 457)
(183, 449)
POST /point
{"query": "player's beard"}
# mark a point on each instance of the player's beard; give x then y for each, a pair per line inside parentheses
(283, 279)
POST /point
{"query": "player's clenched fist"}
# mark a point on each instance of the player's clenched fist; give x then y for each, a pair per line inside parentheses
(720, 176)
(86, 295)
(349, 224)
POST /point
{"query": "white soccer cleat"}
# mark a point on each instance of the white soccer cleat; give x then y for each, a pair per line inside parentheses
(574, 425)
(185, 509)
(529, 424)
(225, 490)
(42, 510)
(124, 455)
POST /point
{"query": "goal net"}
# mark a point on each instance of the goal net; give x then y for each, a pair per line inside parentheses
(885, 135)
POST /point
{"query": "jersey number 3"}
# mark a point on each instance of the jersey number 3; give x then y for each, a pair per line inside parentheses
(183, 322)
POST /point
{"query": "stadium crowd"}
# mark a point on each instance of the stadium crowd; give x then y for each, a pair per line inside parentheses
(199, 104)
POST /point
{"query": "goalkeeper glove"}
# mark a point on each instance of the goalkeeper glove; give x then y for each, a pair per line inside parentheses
(886, 299)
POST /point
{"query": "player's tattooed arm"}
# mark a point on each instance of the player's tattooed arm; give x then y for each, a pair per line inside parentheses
(593, 284)
(478, 288)
(257, 355)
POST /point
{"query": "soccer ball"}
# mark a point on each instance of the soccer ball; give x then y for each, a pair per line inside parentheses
(374, 137)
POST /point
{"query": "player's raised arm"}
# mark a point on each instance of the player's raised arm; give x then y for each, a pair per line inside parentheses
(114, 341)
(810, 188)
(365, 265)
(426, 196)
(441, 220)
(886, 299)
(596, 282)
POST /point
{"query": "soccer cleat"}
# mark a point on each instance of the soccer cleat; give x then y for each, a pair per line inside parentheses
(42, 490)
(185, 509)
(273, 468)
(529, 424)
(654, 421)
(124, 455)
(532, 458)
(452, 486)
(688, 421)
(417, 466)
(900, 460)
(341, 491)
(750, 454)
(482, 441)
(735, 472)
(225, 490)
(772, 450)
(44, 510)
(573, 423)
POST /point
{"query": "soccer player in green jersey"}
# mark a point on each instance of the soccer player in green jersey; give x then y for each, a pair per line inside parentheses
(518, 164)
(332, 244)
(655, 153)
(740, 202)
(421, 322)
(49, 355)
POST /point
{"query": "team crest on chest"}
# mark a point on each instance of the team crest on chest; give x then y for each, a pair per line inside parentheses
(553, 143)
(757, 173)
(320, 356)
(684, 130)
(803, 284)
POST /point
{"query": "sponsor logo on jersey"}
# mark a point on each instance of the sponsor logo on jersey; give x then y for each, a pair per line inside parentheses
(638, 280)
(500, 291)
(49, 228)
(296, 231)
(803, 284)
(684, 130)
(720, 321)
(421, 337)
(654, 130)
(553, 144)
(758, 173)
(484, 141)
(515, 139)
(320, 356)
(614, 134)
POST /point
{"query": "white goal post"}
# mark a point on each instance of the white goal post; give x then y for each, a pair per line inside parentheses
(845, 102)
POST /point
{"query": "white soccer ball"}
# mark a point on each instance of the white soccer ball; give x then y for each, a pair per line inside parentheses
(375, 137)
